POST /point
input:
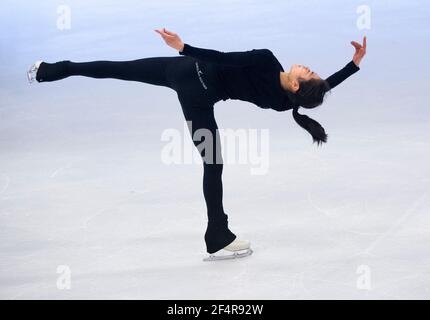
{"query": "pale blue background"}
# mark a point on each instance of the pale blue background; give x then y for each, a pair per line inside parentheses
(82, 184)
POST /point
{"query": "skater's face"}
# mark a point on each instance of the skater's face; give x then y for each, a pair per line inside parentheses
(299, 71)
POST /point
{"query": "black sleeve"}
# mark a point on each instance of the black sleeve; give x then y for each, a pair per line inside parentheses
(238, 58)
(342, 74)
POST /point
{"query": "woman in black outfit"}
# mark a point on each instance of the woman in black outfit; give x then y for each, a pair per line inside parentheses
(202, 77)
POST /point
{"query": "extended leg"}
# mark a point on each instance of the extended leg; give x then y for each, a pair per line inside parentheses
(151, 70)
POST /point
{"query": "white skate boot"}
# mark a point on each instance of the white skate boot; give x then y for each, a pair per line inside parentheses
(32, 71)
(237, 249)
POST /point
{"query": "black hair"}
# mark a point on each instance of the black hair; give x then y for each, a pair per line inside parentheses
(309, 95)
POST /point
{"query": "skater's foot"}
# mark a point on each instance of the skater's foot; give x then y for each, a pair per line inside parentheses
(42, 71)
(32, 71)
(237, 249)
(238, 245)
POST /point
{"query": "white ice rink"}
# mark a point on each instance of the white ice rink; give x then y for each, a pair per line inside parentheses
(82, 183)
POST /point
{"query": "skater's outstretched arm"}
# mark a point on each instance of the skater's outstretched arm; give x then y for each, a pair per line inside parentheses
(236, 59)
(341, 75)
(352, 66)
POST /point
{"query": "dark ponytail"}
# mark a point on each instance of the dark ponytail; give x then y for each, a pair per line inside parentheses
(310, 125)
(309, 95)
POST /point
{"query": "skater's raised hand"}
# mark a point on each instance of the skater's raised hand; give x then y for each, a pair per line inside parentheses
(171, 39)
(360, 51)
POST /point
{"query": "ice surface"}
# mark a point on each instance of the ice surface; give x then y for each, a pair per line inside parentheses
(82, 183)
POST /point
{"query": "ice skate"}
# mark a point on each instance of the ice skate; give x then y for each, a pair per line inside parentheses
(32, 71)
(237, 249)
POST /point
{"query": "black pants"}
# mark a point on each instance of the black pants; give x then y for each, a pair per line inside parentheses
(195, 85)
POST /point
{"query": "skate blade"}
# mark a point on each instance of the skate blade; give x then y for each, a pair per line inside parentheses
(31, 75)
(235, 255)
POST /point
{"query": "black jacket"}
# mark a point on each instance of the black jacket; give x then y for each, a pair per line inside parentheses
(254, 75)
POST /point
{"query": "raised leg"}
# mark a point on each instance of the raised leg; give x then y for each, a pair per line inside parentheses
(153, 70)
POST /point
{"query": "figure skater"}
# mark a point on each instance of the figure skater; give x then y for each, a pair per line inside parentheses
(201, 78)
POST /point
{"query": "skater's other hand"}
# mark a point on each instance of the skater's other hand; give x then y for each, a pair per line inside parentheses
(360, 51)
(171, 39)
